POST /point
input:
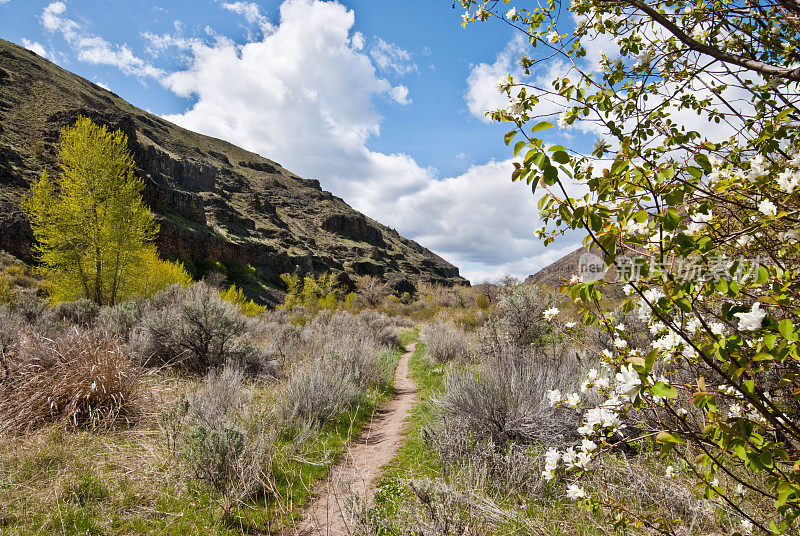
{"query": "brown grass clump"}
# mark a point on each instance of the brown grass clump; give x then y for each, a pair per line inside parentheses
(83, 379)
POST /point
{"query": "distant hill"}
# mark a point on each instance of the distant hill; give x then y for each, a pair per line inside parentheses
(215, 202)
(560, 271)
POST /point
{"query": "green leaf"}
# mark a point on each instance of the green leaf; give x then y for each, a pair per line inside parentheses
(666, 437)
(561, 157)
(518, 147)
(550, 175)
(541, 125)
(509, 136)
(787, 329)
(664, 391)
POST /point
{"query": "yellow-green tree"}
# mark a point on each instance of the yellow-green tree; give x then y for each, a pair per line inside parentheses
(92, 228)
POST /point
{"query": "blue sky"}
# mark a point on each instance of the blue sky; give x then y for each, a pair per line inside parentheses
(381, 101)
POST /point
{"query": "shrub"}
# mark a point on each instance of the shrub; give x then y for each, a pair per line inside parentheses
(444, 341)
(81, 379)
(195, 331)
(371, 291)
(81, 312)
(120, 320)
(10, 330)
(507, 398)
(520, 315)
(236, 296)
(221, 444)
(319, 393)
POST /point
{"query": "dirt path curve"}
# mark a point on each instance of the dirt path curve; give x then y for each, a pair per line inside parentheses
(354, 477)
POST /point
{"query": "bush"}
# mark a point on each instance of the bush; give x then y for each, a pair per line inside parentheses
(320, 393)
(81, 312)
(10, 331)
(444, 341)
(221, 444)
(236, 296)
(120, 320)
(520, 315)
(507, 398)
(82, 379)
(195, 330)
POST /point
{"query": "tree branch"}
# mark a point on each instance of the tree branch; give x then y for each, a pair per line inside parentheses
(761, 67)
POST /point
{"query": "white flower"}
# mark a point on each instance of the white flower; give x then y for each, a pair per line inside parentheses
(554, 396)
(788, 180)
(767, 207)
(466, 16)
(584, 459)
(682, 412)
(670, 472)
(739, 490)
(620, 343)
(553, 37)
(573, 400)
(628, 381)
(550, 313)
(757, 167)
(511, 13)
(551, 459)
(714, 483)
(746, 526)
(751, 321)
(562, 120)
(574, 279)
(570, 325)
(575, 492)
(744, 240)
(792, 235)
(569, 457)
(735, 411)
(587, 445)
(501, 85)
(601, 383)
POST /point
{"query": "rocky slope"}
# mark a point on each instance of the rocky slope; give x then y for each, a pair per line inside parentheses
(214, 201)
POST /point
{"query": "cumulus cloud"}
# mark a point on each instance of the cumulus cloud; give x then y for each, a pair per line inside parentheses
(92, 48)
(35, 46)
(482, 94)
(251, 13)
(389, 57)
(305, 98)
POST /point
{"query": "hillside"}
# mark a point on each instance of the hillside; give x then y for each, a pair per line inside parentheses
(215, 202)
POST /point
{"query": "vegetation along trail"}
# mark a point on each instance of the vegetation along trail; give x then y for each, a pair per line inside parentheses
(351, 484)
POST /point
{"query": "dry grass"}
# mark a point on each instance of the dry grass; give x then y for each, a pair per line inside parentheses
(82, 379)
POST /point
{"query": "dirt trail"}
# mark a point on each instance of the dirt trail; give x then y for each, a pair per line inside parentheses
(354, 477)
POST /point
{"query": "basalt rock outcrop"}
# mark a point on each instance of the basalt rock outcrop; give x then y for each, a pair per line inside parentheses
(213, 200)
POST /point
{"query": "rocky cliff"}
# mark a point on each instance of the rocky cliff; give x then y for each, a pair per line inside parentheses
(213, 200)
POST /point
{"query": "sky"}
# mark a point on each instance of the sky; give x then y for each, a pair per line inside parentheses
(383, 102)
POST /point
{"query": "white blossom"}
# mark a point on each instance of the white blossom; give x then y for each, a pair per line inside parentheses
(670, 472)
(550, 313)
(751, 321)
(553, 37)
(746, 525)
(767, 207)
(575, 492)
(573, 400)
(554, 396)
(511, 13)
(570, 325)
(551, 459)
(788, 180)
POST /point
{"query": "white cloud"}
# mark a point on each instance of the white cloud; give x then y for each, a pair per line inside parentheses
(305, 98)
(251, 13)
(92, 48)
(482, 94)
(34, 46)
(390, 57)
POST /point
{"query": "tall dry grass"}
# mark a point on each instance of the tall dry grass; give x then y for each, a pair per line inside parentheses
(82, 379)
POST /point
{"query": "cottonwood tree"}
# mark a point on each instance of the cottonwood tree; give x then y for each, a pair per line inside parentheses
(92, 229)
(692, 193)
